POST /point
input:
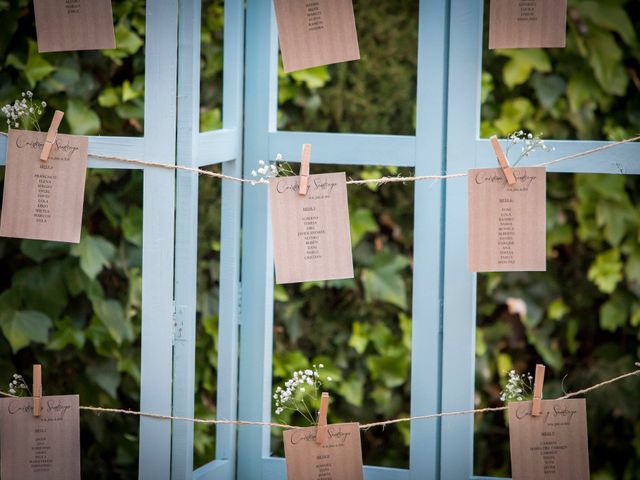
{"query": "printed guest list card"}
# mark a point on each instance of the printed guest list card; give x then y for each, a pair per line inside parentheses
(311, 236)
(339, 457)
(40, 448)
(44, 200)
(316, 32)
(64, 25)
(528, 24)
(553, 445)
(507, 223)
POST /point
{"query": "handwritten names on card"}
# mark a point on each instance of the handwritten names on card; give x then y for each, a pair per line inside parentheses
(527, 24)
(44, 200)
(338, 458)
(507, 223)
(553, 445)
(40, 448)
(311, 234)
(66, 25)
(316, 32)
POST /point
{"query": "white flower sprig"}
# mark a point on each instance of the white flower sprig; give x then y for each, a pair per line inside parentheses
(518, 388)
(17, 386)
(24, 112)
(530, 144)
(265, 170)
(300, 392)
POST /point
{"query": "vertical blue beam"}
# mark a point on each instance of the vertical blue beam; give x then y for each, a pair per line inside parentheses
(227, 401)
(157, 245)
(257, 262)
(186, 244)
(458, 360)
(428, 246)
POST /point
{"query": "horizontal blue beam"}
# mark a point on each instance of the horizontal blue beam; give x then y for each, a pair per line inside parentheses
(275, 468)
(346, 148)
(620, 159)
(125, 147)
(218, 146)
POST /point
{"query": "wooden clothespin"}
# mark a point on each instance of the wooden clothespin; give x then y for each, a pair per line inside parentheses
(304, 168)
(502, 160)
(37, 390)
(321, 433)
(51, 135)
(538, 382)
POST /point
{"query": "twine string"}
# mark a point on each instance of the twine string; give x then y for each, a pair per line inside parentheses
(375, 181)
(366, 426)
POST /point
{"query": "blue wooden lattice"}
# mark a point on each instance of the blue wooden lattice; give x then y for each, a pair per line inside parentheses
(446, 140)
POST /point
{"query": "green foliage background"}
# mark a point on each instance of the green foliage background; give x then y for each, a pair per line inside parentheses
(76, 309)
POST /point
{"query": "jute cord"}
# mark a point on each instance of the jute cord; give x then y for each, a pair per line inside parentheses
(365, 426)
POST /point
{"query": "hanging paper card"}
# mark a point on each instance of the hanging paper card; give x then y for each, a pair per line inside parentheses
(553, 445)
(316, 32)
(507, 223)
(40, 448)
(311, 236)
(528, 24)
(43, 200)
(339, 456)
(65, 25)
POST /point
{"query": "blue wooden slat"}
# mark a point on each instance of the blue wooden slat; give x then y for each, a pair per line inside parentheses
(218, 146)
(186, 245)
(459, 285)
(257, 260)
(428, 248)
(158, 227)
(345, 148)
(228, 325)
(125, 147)
(619, 159)
(215, 470)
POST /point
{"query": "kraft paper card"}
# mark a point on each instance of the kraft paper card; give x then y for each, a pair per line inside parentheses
(528, 24)
(40, 448)
(338, 458)
(316, 32)
(311, 235)
(44, 200)
(507, 223)
(65, 25)
(553, 445)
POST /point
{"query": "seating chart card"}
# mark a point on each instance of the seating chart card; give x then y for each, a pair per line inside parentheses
(507, 223)
(311, 233)
(339, 457)
(553, 445)
(44, 200)
(316, 32)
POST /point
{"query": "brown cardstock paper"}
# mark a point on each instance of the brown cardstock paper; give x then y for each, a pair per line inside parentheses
(338, 458)
(528, 24)
(44, 200)
(316, 32)
(66, 25)
(552, 446)
(507, 223)
(40, 448)
(311, 233)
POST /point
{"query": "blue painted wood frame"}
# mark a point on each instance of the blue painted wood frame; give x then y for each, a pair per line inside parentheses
(425, 151)
(195, 149)
(466, 150)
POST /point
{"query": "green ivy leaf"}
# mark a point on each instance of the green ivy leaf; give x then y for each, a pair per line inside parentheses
(606, 270)
(23, 327)
(359, 338)
(614, 313)
(81, 119)
(610, 17)
(36, 68)
(384, 280)
(362, 222)
(95, 253)
(105, 374)
(522, 63)
(605, 57)
(111, 314)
